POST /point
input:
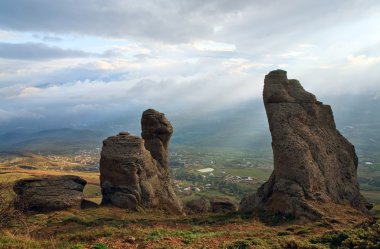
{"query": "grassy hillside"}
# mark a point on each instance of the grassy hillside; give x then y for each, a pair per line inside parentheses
(107, 227)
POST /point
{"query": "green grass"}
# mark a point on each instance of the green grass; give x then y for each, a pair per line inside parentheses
(107, 227)
(185, 235)
(372, 196)
(209, 194)
(91, 191)
(224, 156)
(13, 176)
(365, 237)
(376, 210)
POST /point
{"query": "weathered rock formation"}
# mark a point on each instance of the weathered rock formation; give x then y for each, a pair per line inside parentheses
(313, 162)
(134, 173)
(44, 194)
(223, 205)
(205, 205)
(198, 205)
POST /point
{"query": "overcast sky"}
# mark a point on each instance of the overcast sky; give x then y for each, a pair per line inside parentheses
(71, 58)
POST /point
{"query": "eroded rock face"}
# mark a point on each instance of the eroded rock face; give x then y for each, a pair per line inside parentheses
(44, 194)
(134, 173)
(313, 162)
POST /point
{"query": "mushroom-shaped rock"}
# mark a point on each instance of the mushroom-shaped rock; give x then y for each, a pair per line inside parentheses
(131, 177)
(44, 194)
(313, 162)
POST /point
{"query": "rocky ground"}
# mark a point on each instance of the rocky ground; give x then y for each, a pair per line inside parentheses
(108, 227)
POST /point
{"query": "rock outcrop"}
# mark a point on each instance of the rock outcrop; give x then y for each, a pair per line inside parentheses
(223, 205)
(198, 205)
(206, 205)
(134, 172)
(313, 162)
(44, 194)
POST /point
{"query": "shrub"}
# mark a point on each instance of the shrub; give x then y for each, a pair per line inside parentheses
(239, 244)
(247, 243)
(365, 237)
(77, 247)
(298, 244)
(100, 246)
(333, 239)
(283, 233)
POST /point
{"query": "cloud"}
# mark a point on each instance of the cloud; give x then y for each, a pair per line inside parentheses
(36, 51)
(47, 38)
(7, 116)
(179, 55)
(80, 108)
(182, 20)
(5, 35)
(362, 60)
(162, 20)
(28, 91)
(214, 46)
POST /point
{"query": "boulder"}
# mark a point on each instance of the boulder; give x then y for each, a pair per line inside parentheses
(222, 205)
(134, 173)
(198, 205)
(44, 194)
(206, 205)
(313, 162)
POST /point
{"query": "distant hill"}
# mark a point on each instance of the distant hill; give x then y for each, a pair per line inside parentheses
(242, 127)
(64, 140)
(246, 126)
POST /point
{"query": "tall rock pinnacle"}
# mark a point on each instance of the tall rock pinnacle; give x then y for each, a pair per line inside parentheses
(156, 132)
(313, 162)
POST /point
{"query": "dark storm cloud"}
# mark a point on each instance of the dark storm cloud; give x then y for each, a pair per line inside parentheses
(161, 20)
(181, 20)
(36, 51)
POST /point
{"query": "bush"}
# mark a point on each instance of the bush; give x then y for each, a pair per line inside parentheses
(283, 233)
(100, 246)
(299, 244)
(334, 239)
(78, 246)
(239, 244)
(247, 243)
(365, 237)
